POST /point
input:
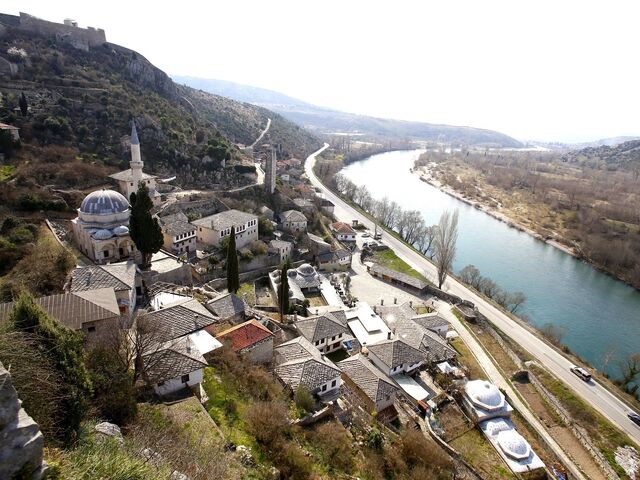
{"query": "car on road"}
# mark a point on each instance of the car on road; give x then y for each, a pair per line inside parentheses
(634, 417)
(366, 235)
(581, 373)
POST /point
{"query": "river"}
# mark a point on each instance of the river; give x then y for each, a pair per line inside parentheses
(600, 314)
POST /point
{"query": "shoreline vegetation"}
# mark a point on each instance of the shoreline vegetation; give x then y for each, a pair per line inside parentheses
(584, 211)
(327, 170)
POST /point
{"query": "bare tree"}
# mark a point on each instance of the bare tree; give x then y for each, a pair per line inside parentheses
(426, 239)
(515, 300)
(445, 244)
(630, 369)
(553, 333)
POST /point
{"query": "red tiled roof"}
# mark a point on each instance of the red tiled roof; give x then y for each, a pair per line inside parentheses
(342, 228)
(245, 335)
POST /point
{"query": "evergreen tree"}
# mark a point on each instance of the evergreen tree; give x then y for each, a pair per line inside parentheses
(24, 106)
(233, 276)
(67, 352)
(145, 230)
(283, 290)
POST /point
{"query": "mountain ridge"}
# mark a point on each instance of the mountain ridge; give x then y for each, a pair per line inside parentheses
(324, 120)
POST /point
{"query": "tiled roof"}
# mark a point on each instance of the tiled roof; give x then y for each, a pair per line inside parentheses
(398, 276)
(70, 309)
(172, 360)
(178, 228)
(127, 176)
(375, 384)
(174, 217)
(394, 313)
(334, 256)
(431, 320)
(119, 276)
(223, 220)
(292, 216)
(298, 362)
(320, 327)
(280, 244)
(226, 305)
(419, 337)
(180, 319)
(396, 352)
(342, 227)
(245, 335)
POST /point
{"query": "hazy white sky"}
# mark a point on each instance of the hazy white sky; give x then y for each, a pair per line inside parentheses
(544, 70)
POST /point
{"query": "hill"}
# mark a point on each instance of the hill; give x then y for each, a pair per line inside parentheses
(81, 102)
(326, 121)
(622, 156)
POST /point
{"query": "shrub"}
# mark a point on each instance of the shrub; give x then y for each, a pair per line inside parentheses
(304, 400)
(336, 445)
(267, 422)
(21, 235)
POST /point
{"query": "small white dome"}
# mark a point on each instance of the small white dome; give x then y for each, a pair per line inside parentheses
(514, 445)
(484, 394)
(306, 269)
(103, 234)
(121, 230)
(497, 425)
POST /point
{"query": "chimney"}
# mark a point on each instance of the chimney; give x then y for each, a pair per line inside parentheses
(375, 309)
(382, 301)
(395, 300)
(389, 335)
(411, 303)
(295, 317)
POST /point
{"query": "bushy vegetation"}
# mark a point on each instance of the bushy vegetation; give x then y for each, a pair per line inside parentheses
(472, 276)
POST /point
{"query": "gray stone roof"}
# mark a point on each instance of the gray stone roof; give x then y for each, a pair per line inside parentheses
(174, 217)
(127, 176)
(434, 347)
(335, 255)
(119, 276)
(431, 320)
(373, 383)
(226, 306)
(179, 319)
(280, 244)
(320, 327)
(104, 202)
(70, 309)
(398, 276)
(172, 360)
(394, 313)
(223, 220)
(292, 216)
(298, 362)
(396, 352)
(178, 228)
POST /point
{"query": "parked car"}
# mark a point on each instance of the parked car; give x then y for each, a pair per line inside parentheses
(366, 235)
(634, 417)
(581, 373)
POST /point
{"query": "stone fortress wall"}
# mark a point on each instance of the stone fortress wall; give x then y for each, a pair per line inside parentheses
(81, 38)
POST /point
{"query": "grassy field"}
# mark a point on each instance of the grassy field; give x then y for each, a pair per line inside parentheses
(477, 450)
(388, 258)
(466, 358)
(249, 290)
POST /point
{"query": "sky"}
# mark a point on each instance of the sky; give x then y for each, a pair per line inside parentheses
(536, 70)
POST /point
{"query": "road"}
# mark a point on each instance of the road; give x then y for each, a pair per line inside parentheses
(593, 393)
(266, 129)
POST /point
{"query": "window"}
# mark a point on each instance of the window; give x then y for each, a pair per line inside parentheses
(333, 383)
(184, 378)
(317, 342)
(324, 387)
(106, 253)
(91, 329)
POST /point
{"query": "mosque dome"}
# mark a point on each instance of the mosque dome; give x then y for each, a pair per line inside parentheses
(305, 269)
(102, 234)
(121, 230)
(484, 394)
(514, 445)
(497, 425)
(104, 202)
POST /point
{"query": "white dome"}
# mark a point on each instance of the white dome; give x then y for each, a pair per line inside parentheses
(102, 234)
(514, 445)
(484, 394)
(495, 426)
(104, 202)
(306, 269)
(121, 230)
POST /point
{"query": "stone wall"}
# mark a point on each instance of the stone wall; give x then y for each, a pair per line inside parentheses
(82, 38)
(21, 442)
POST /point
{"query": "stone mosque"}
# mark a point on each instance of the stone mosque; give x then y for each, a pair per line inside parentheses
(101, 230)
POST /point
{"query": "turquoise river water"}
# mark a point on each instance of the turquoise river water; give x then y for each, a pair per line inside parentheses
(600, 314)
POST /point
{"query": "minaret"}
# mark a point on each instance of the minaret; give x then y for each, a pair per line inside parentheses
(136, 160)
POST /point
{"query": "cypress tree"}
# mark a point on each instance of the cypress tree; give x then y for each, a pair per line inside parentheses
(24, 106)
(144, 229)
(233, 277)
(283, 290)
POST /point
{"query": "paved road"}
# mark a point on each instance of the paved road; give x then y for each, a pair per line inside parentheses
(266, 129)
(593, 393)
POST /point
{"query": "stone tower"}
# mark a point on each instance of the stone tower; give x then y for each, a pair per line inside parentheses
(136, 160)
(270, 172)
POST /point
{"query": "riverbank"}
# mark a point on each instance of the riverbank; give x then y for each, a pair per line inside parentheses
(424, 173)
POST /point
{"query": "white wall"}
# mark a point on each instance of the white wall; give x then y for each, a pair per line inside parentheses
(176, 384)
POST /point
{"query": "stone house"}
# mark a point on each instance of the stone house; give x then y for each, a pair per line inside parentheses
(299, 363)
(376, 389)
(293, 221)
(212, 229)
(326, 332)
(337, 260)
(227, 307)
(14, 131)
(284, 249)
(179, 237)
(250, 338)
(395, 356)
(343, 232)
